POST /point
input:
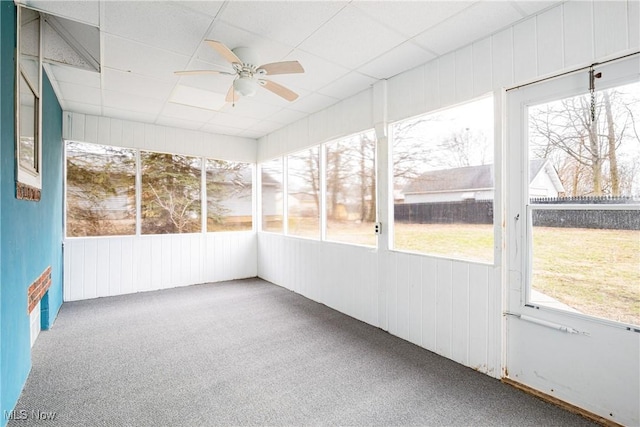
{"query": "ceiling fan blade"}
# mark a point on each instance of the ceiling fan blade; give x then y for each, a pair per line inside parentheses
(231, 96)
(199, 72)
(279, 90)
(284, 67)
(224, 51)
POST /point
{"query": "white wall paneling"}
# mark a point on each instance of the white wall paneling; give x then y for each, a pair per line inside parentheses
(453, 308)
(439, 304)
(106, 266)
(123, 133)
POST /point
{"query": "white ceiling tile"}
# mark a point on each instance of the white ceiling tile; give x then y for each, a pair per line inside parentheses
(160, 24)
(137, 85)
(351, 38)
(265, 127)
(266, 49)
(248, 107)
(347, 85)
(121, 100)
(64, 73)
(185, 112)
(286, 116)
(130, 56)
(318, 72)
(249, 133)
(218, 83)
(232, 120)
(288, 22)
(221, 129)
(83, 11)
(79, 93)
(478, 21)
(124, 114)
(197, 98)
(531, 7)
(411, 17)
(178, 123)
(402, 58)
(208, 7)
(313, 102)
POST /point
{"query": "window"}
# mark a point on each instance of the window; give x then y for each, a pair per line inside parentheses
(272, 177)
(443, 182)
(351, 189)
(100, 190)
(229, 196)
(303, 188)
(583, 203)
(28, 110)
(171, 193)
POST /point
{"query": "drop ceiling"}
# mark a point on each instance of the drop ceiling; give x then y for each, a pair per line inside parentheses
(344, 47)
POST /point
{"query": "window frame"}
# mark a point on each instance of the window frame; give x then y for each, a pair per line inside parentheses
(497, 151)
(30, 176)
(618, 72)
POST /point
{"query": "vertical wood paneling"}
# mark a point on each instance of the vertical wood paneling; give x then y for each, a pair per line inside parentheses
(77, 126)
(502, 58)
(144, 264)
(96, 267)
(103, 271)
(525, 57)
(634, 24)
(550, 41)
(494, 331)
(478, 316)
(104, 130)
(429, 298)
(402, 295)
(611, 27)
(415, 299)
(167, 264)
(447, 79)
(115, 266)
(406, 94)
(464, 73)
(67, 253)
(126, 284)
(578, 37)
(482, 67)
(444, 299)
(90, 266)
(460, 312)
(432, 86)
(389, 279)
(90, 129)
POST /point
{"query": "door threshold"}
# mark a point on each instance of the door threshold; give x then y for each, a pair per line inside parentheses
(561, 403)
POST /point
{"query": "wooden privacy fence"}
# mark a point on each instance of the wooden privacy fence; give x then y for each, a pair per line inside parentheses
(481, 212)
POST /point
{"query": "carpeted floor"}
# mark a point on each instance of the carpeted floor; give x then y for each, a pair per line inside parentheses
(251, 353)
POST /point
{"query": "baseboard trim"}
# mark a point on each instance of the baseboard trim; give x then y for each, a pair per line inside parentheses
(562, 404)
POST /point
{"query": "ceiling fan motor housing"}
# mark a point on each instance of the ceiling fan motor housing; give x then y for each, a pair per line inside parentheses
(248, 57)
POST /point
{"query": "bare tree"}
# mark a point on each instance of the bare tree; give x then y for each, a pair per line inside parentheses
(586, 150)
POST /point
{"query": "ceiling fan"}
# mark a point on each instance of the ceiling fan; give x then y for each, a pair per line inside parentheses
(249, 75)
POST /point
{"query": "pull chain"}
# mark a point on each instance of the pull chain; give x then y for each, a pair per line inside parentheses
(592, 89)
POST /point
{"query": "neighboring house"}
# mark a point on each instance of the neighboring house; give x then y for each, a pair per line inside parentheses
(476, 183)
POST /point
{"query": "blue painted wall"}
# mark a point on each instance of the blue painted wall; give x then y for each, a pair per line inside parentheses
(30, 232)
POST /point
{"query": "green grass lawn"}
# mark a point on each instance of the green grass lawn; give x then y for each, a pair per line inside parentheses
(596, 272)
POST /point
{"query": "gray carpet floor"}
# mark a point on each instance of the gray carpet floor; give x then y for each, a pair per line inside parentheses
(251, 353)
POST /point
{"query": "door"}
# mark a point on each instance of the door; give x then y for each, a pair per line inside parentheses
(573, 247)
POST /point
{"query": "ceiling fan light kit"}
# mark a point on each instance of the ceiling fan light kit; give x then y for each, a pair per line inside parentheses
(248, 76)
